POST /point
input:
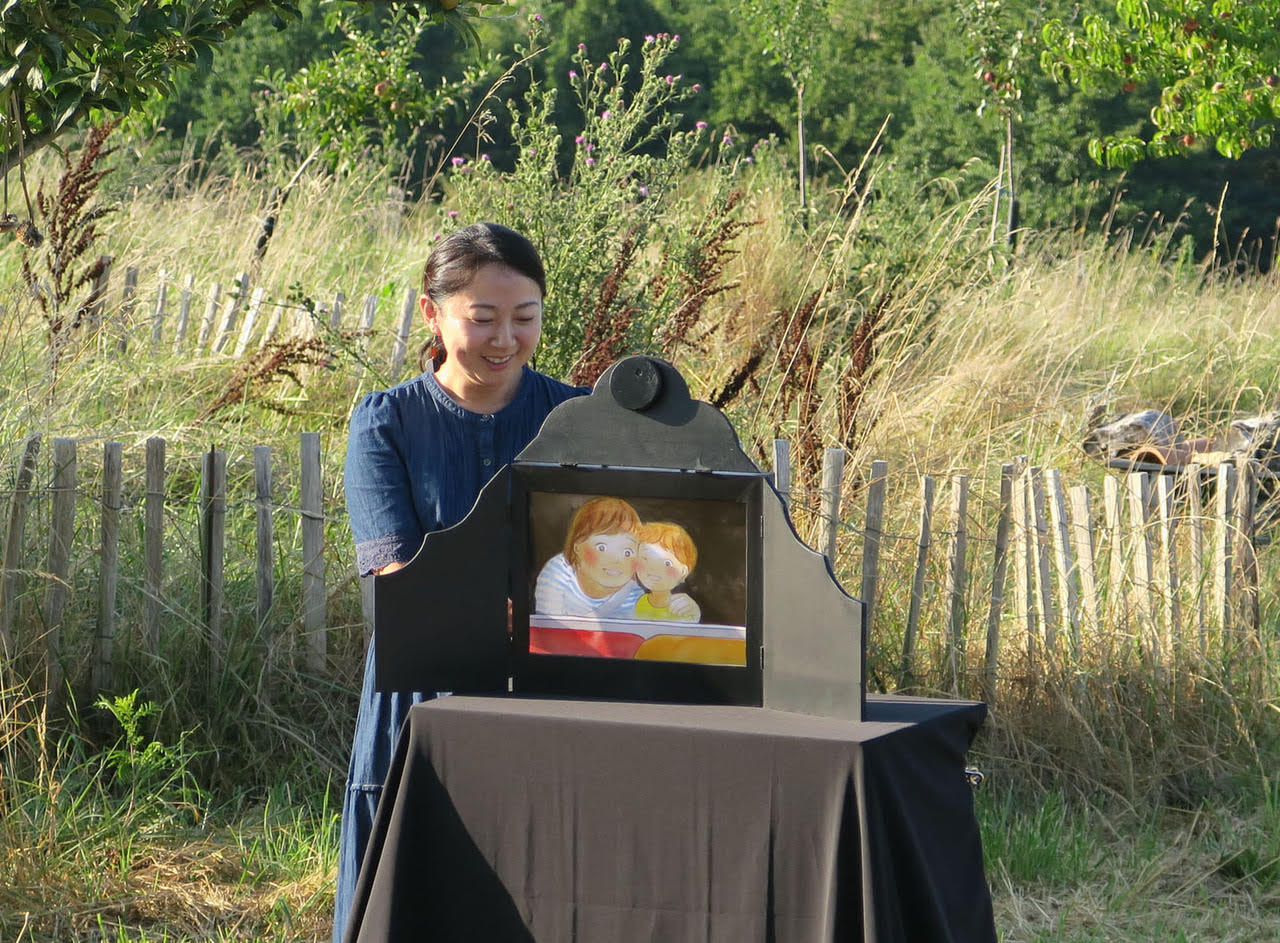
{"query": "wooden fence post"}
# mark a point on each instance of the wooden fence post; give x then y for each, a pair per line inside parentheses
(12, 563)
(1064, 559)
(999, 571)
(108, 574)
(782, 471)
(153, 577)
(905, 675)
(829, 521)
(128, 301)
(235, 299)
(97, 299)
(213, 513)
(955, 588)
(250, 321)
(210, 315)
(335, 316)
(366, 326)
(1039, 522)
(1139, 489)
(265, 539)
(313, 593)
(1024, 561)
(1247, 591)
(1222, 549)
(1195, 527)
(184, 312)
(1086, 560)
(873, 534)
(400, 344)
(1113, 513)
(157, 314)
(61, 530)
(1167, 526)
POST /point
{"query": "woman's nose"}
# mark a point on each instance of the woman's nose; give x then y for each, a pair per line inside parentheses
(505, 335)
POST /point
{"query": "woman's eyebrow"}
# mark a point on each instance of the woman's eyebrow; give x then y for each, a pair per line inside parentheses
(490, 306)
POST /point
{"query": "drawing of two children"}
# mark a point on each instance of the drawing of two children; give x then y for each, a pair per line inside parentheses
(613, 566)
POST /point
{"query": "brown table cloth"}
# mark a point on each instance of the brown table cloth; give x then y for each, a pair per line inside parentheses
(507, 819)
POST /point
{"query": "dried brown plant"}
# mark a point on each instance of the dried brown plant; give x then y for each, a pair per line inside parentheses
(257, 378)
(798, 388)
(860, 369)
(70, 219)
(700, 281)
(608, 325)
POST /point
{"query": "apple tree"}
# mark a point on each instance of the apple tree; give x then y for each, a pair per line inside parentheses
(66, 62)
(1216, 64)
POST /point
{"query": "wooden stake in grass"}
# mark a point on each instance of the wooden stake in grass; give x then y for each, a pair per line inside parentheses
(12, 562)
(108, 577)
(1195, 528)
(1039, 524)
(213, 514)
(1064, 560)
(998, 573)
(265, 542)
(956, 578)
(906, 676)
(313, 595)
(1086, 548)
(153, 576)
(1224, 559)
(829, 520)
(61, 531)
(873, 533)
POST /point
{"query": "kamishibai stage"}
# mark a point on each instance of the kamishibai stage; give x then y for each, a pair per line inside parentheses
(659, 728)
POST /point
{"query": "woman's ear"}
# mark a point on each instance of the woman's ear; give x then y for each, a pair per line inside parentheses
(430, 313)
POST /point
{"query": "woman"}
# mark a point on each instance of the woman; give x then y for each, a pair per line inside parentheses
(419, 453)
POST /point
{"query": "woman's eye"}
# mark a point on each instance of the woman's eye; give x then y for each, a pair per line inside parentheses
(600, 547)
(667, 564)
(626, 553)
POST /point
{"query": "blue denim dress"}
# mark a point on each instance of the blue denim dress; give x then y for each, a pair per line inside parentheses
(416, 462)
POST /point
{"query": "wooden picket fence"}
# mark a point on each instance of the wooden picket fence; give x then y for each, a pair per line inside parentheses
(1165, 570)
(232, 320)
(1166, 567)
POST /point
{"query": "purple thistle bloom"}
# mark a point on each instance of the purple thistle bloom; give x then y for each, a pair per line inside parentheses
(573, 74)
(671, 79)
(697, 87)
(701, 125)
(582, 47)
(591, 161)
(485, 158)
(643, 191)
(537, 18)
(648, 39)
(604, 67)
(726, 140)
(458, 161)
(453, 214)
(606, 114)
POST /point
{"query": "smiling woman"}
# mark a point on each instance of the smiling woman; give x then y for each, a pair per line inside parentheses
(419, 453)
(487, 332)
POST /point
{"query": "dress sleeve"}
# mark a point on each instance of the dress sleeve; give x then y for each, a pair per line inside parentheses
(378, 488)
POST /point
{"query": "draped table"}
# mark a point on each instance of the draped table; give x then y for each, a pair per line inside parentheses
(549, 821)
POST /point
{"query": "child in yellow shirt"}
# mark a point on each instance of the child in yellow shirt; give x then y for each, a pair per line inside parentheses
(666, 556)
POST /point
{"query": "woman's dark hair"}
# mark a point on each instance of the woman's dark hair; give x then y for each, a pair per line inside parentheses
(454, 261)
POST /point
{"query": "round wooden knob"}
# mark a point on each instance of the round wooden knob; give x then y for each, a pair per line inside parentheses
(635, 383)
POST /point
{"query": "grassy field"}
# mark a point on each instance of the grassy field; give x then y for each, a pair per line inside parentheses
(1147, 809)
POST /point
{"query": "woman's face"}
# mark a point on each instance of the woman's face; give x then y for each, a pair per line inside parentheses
(605, 560)
(489, 329)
